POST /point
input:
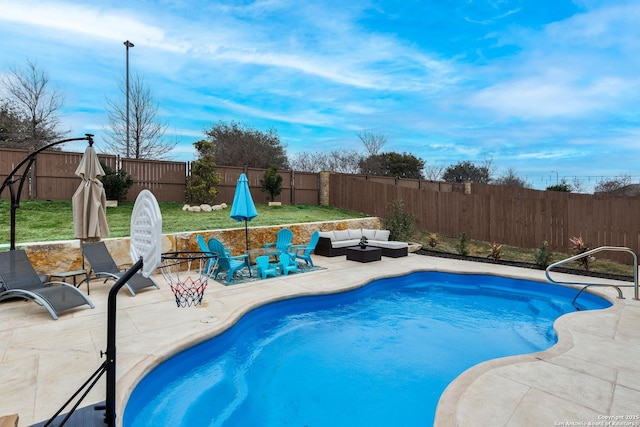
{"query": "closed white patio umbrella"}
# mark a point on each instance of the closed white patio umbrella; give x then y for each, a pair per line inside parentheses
(89, 200)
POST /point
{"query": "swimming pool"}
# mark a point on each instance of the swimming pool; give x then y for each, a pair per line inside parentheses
(377, 356)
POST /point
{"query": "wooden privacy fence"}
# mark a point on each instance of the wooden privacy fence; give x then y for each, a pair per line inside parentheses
(53, 173)
(297, 187)
(53, 178)
(512, 216)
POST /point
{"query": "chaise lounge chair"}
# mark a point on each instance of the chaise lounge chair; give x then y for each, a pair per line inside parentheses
(104, 267)
(18, 279)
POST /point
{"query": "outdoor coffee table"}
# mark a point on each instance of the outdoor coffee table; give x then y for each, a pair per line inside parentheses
(366, 254)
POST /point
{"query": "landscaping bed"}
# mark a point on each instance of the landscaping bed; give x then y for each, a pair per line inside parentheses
(521, 264)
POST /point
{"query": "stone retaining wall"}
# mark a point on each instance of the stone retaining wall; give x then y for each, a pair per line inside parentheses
(60, 256)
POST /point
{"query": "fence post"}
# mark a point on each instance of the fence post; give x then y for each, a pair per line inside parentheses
(325, 178)
(292, 184)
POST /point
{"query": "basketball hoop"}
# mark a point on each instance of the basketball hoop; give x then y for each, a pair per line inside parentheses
(187, 273)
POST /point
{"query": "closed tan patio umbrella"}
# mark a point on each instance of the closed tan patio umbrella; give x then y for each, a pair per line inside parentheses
(89, 200)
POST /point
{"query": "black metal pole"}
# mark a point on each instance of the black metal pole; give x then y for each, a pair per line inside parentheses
(110, 403)
(246, 238)
(10, 180)
(128, 44)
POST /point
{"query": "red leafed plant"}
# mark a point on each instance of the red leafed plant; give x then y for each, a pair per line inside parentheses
(580, 247)
(495, 252)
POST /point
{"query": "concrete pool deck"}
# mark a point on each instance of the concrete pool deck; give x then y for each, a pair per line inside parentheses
(592, 373)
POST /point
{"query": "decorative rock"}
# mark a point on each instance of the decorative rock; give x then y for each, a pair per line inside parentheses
(204, 208)
(414, 247)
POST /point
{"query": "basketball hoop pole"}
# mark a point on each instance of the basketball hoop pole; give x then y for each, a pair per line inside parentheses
(110, 353)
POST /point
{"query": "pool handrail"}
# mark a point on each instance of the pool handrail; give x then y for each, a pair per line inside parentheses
(591, 252)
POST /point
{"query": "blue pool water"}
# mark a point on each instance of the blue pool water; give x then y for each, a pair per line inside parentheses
(380, 355)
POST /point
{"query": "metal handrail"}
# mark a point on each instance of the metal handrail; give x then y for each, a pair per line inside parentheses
(591, 252)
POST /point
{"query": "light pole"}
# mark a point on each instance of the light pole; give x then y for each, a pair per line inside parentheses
(556, 176)
(128, 44)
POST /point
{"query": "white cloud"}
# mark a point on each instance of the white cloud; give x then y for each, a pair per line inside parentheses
(96, 22)
(542, 97)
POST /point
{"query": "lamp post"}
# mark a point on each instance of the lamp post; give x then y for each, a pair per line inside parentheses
(128, 44)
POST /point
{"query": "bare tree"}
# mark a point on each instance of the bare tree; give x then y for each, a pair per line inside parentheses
(341, 161)
(511, 179)
(612, 185)
(373, 142)
(434, 172)
(146, 137)
(305, 162)
(578, 186)
(30, 98)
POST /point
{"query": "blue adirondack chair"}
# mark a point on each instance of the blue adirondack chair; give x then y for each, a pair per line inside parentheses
(202, 245)
(265, 268)
(303, 252)
(287, 264)
(226, 262)
(282, 243)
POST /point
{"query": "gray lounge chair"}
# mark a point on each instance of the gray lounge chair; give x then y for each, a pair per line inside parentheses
(18, 279)
(104, 267)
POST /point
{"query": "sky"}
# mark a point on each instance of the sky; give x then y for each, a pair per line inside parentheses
(548, 88)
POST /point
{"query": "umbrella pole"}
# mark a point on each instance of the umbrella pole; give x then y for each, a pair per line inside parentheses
(246, 237)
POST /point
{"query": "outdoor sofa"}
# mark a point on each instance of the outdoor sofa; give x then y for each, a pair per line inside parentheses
(335, 243)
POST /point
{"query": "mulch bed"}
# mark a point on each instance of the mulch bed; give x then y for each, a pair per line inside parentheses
(533, 266)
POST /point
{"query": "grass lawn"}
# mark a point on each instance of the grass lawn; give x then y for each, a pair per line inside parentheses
(41, 221)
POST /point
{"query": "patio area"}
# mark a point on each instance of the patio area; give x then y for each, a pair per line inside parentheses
(591, 374)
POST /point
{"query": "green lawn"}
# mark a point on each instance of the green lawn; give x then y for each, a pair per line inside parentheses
(40, 221)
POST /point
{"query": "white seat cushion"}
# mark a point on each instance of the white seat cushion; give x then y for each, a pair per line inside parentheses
(340, 235)
(344, 243)
(327, 234)
(355, 233)
(382, 235)
(389, 245)
(370, 234)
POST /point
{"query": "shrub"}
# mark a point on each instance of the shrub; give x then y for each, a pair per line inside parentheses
(201, 187)
(543, 256)
(272, 183)
(116, 183)
(399, 223)
(462, 245)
